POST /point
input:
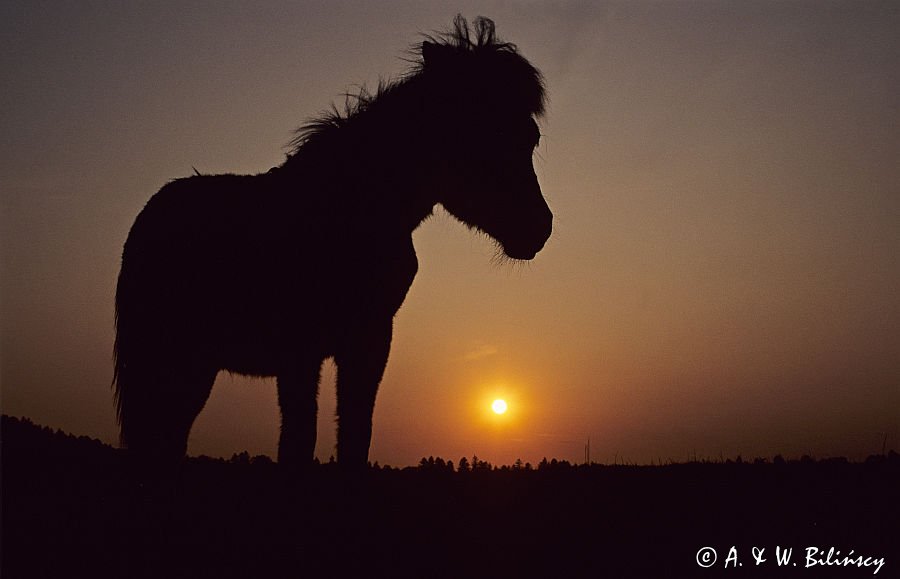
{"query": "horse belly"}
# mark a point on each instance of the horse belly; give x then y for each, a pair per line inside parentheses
(310, 319)
(269, 350)
(262, 332)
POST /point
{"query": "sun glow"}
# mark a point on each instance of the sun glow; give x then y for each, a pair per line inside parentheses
(499, 406)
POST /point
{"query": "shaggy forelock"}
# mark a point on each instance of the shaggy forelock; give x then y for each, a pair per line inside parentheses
(465, 46)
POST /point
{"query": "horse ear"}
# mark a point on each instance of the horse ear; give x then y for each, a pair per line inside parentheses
(433, 54)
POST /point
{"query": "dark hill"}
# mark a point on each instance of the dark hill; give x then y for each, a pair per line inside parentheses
(69, 511)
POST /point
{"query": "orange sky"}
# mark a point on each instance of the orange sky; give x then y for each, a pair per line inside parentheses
(722, 278)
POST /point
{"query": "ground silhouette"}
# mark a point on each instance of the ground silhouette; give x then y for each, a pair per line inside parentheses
(270, 274)
(68, 511)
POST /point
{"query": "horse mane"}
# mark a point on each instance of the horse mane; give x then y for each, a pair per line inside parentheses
(459, 48)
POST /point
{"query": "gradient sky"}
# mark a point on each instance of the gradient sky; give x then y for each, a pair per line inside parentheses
(723, 274)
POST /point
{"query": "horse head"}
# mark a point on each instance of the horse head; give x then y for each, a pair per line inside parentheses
(483, 97)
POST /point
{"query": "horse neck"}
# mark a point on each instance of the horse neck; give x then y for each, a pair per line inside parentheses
(379, 169)
(394, 147)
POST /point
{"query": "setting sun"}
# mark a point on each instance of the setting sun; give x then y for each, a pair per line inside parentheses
(499, 406)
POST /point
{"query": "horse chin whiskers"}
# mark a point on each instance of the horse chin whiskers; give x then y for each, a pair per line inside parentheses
(502, 260)
(499, 258)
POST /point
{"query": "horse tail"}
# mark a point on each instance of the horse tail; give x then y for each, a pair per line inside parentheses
(132, 322)
(121, 355)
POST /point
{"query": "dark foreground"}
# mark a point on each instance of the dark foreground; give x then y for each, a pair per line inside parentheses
(68, 511)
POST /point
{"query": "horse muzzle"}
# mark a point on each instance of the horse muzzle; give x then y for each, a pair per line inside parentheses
(529, 240)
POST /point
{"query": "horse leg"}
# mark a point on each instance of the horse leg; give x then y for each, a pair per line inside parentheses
(298, 391)
(361, 364)
(158, 408)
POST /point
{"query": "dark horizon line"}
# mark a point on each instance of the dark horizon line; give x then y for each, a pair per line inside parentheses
(437, 463)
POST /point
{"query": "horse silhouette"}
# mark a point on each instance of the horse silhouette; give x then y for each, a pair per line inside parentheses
(271, 274)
